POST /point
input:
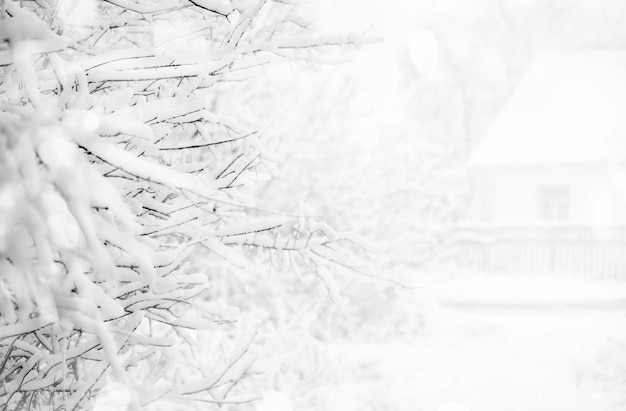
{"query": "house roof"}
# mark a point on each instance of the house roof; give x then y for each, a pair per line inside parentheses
(570, 108)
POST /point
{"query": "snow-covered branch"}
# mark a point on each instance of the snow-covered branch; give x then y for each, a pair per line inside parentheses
(119, 172)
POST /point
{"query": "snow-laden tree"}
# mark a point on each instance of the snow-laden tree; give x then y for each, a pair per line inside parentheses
(129, 156)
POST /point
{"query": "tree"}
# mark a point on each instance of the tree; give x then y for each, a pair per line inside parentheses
(128, 160)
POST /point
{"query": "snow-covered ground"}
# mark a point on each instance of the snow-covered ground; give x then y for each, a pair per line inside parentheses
(494, 344)
(531, 291)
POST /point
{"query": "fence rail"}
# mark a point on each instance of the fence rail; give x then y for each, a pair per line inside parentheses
(560, 250)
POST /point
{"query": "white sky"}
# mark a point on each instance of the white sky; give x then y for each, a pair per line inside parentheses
(377, 65)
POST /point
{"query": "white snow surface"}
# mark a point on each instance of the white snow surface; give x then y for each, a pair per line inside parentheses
(490, 356)
(526, 291)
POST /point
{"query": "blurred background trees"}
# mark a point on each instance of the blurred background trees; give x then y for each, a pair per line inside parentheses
(412, 109)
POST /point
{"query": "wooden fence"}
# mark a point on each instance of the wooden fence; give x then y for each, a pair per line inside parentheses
(559, 250)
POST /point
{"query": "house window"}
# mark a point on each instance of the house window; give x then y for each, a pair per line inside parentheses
(553, 203)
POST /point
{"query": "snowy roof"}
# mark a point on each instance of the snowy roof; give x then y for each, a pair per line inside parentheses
(569, 108)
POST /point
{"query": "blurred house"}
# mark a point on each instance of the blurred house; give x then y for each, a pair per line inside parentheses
(549, 177)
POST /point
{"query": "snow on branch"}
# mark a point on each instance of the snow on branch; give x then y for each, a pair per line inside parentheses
(121, 178)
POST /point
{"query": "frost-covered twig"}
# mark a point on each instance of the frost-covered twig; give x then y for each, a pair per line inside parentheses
(123, 178)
